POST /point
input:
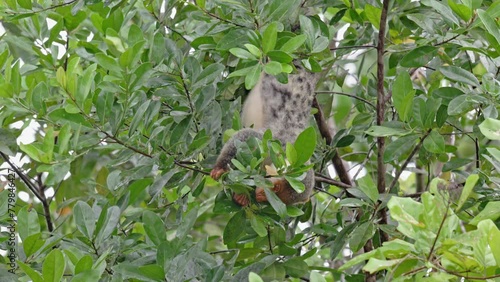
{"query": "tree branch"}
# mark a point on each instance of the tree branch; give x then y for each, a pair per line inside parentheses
(322, 179)
(407, 161)
(348, 95)
(325, 132)
(37, 190)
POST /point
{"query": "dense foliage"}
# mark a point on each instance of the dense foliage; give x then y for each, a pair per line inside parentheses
(131, 101)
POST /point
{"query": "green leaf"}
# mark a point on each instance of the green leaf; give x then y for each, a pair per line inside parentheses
(490, 24)
(293, 211)
(180, 131)
(53, 266)
(407, 212)
(253, 277)
(460, 105)
(187, 223)
(418, 57)
(431, 107)
(491, 211)
(434, 143)
(200, 141)
(384, 131)
(358, 259)
(88, 275)
(296, 267)
(234, 38)
(273, 68)
(490, 128)
(33, 274)
(493, 236)
(494, 152)
(441, 115)
(130, 57)
(459, 75)
(293, 43)
(40, 93)
(280, 56)
(48, 144)
(63, 138)
(154, 227)
(269, 37)
(208, 75)
(27, 222)
(373, 15)
(361, 235)
(316, 276)
(33, 152)
(253, 76)
(33, 243)
(84, 219)
(242, 54)
(320, 44)
(258, 225)
(307, 27)
(84, 264)
(108, 63)
(402, 94)
(305, 145)
(291, 153)
(368, 187)
(447, 94)
(463, 11)
(84, 84)
(241, 72)
(26, 4)
(275, 202)
(399, 147)
(296, 184)
(469, 185)
(254, 50)
(455, 163)
(107, 223)
(443, 10)
(8, 143)
(280, 10)
(138, 117)
(233, 228)
(375, 265)
(61, 116)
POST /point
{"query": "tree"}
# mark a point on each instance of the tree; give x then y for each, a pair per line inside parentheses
(131, 102)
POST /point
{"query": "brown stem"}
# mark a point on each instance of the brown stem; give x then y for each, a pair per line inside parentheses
(331, 181)
(45, 203)
(380, 120)
(37, 190)
(325, 132)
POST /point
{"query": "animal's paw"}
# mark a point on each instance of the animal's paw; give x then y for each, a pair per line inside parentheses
(260, 195)
(241, 199)
(217, 172)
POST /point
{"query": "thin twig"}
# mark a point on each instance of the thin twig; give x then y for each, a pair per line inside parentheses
(439, 230)
(348, 95)
(44, 9)
(353, 47)
(323, 179)
(407, 161)
(23, 176)
(219, 18)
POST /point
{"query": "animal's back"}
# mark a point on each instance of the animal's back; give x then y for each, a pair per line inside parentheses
(287, 107)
